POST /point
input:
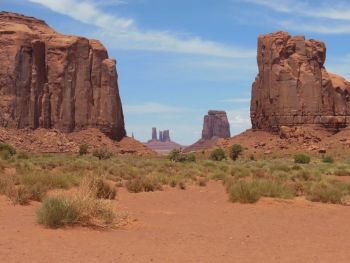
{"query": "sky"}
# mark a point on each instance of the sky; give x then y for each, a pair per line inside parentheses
(177, 59)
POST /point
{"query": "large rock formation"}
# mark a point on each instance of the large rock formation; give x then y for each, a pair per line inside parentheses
(51, 80)
(216, 125)
(163, 144)
(294, 88)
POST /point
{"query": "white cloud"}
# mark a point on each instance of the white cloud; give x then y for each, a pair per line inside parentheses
(337, 10)
(239, 120)
(324, 17)
(124, 33)
(152, 108)
(315, 27)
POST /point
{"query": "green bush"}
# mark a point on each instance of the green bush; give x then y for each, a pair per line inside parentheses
(302, 159)
(178, 156)
(8, 148)
(102, 154)
(217, 155)
(83, 149)
(327, 159)
(235, 151)
(56, 212)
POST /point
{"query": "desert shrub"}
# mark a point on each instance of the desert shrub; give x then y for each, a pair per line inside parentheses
(341, 172)
(83, 149)
(328, 159)
(143, 184)
(4, 147)
(178, 156)
(49, 180)
(102, 154)
(250, 192)
(56, 212)
(244, 192)
(37, 192)
(252, 157)
(80, 208)
(302, 158)
(22, 156)
(235, 151)
(105, 191)
(18, 194)
(326, 192)
(217, 155)
(202, 181)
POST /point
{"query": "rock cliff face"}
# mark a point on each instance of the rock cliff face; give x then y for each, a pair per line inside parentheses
(294, 88)
(50, 80)
(216, 125)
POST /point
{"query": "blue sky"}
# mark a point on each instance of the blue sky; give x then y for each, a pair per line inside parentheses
(179, 58)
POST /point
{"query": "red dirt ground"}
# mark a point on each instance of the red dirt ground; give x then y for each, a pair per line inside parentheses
(195, 225)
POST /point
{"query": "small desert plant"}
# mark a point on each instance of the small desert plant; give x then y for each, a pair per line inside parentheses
(83, 149)
(18, 194)
(327, 159)
(37, 191)
(102, 154)
(56, 212)
(235, 151)
(302, 158)
(217, 155)
(8, 148)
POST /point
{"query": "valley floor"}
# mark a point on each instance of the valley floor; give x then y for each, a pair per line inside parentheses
(195, 225)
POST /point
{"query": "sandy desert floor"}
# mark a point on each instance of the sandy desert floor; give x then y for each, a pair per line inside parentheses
(195, 225)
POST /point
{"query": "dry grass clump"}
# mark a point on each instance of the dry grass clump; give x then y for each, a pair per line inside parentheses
(252, 191)
(143, 184)
(83, 208)
(327, 191)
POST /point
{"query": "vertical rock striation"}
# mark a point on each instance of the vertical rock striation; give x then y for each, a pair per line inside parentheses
(293, 87)
(50, 80)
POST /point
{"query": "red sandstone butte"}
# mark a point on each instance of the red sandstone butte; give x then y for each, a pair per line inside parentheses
(50, 80)
(293, 87)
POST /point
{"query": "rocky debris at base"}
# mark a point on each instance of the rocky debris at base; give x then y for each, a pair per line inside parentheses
(54, 141)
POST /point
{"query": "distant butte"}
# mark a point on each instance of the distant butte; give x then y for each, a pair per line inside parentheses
(163, 144)
(215, 126)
